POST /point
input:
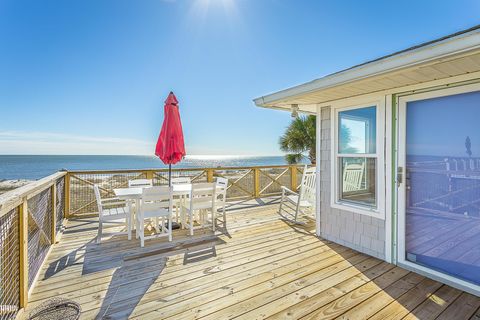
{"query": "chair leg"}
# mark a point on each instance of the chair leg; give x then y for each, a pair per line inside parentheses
(214, 216)
(170, 228)
(137, 227)
(129, 227)
(281, 203)
(99, 235)
(183, 218)
(296, 211)
(224, 217)
(190, 223)
(142, 235)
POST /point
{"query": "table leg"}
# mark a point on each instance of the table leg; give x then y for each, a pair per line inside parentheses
(182, 212)
(137, 227)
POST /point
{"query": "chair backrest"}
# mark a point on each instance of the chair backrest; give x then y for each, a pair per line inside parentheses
(352, 177)
(308, 185)
(181, 180)
(98, 197)
(221, 189)
(221, 184)
(157, 198)
(202, 193)
(140, 183)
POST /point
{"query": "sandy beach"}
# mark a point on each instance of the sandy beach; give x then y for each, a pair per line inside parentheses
(7, 185)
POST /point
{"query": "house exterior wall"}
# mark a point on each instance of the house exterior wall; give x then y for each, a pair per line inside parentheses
(360, 232)
(364, 233)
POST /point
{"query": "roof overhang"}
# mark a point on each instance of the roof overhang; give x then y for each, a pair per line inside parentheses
(446, 57)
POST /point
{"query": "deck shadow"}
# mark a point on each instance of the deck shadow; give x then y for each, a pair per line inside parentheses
(192, 256)
(129, 284)
(251, 203)
(65, 261)
(139, 271)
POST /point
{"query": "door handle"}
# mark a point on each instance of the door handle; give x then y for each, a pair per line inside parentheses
(399, 176)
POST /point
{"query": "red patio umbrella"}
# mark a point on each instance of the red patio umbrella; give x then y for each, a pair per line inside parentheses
(170, 145)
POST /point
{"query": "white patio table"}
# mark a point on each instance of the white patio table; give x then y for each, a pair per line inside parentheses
(180, 191)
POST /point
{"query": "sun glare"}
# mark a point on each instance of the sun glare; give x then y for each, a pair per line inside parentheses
(203, 6)
(224, 3)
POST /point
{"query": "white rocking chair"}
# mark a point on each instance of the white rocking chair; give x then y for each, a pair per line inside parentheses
(353, 177)
(303, 200)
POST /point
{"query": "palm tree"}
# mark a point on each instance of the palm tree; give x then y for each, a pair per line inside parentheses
(299, 139)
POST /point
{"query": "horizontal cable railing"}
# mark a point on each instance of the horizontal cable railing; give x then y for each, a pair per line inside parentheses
(30, 218)
(243, 182)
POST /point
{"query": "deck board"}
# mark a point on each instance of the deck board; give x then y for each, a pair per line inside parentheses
(259, 267)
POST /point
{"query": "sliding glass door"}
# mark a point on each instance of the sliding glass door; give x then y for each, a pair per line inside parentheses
(439, 213)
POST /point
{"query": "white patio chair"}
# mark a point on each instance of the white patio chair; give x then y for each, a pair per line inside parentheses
(178, 202)
(302, 200)
(353, 177)
(156, 204)
(140, 183)
(221, 197)
(111, 210)
(202, 199)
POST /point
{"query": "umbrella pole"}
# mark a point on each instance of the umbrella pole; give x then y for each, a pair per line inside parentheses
(176, 226)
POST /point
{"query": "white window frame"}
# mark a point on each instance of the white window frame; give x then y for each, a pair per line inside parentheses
(379, 210)
(402, 135)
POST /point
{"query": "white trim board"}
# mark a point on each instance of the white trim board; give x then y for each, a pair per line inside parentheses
(318, 183)
(379, 211)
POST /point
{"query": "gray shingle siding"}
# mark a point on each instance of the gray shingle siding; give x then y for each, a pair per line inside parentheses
(360, 232)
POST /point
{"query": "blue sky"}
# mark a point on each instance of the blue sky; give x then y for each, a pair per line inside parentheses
(90, 76)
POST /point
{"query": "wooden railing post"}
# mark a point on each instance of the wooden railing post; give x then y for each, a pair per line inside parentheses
(149, 174)
(66, 193)
(293, 178)
(256, 183)
(53, 190)
(23, 270)
(209, 175)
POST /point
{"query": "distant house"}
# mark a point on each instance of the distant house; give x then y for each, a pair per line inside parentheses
(398, 179)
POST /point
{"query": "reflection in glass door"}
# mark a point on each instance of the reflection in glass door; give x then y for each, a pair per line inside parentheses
(442, 196)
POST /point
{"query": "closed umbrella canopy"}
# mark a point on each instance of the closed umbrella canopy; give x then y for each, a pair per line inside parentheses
(170, 145)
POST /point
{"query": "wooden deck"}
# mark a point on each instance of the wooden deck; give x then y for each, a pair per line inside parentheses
(259, 267)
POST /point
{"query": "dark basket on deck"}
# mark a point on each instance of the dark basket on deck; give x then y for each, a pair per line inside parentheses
(56, 308)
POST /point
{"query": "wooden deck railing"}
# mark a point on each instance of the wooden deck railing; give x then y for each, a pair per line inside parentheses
(243, 182)
(30, 219)
(31, 216)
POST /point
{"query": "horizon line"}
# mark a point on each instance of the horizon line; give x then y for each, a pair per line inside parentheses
(142, 155)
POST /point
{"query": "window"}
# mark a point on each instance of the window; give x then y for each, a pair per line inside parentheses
(356, 159)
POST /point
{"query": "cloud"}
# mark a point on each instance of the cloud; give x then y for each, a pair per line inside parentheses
(48, 143)
(23, 142)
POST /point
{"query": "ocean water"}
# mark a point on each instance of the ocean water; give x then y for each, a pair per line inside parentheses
(33, 167)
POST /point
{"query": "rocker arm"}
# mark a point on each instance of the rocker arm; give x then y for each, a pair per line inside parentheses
(286, 190)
